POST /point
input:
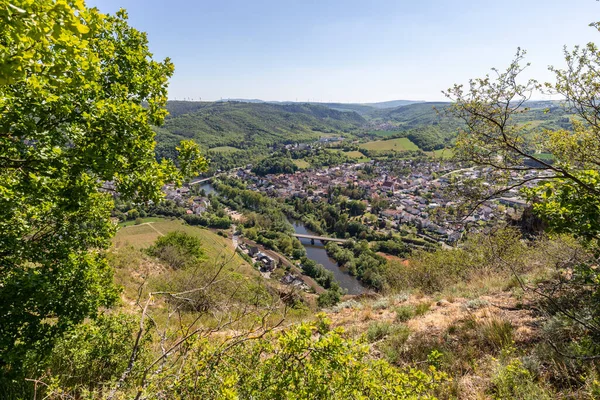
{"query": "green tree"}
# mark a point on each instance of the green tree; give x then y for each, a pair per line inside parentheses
(79, 93)
(564, 193)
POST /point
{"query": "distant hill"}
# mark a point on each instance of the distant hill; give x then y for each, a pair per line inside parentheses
(392, 103)
(361, 108)
(256, 124)
(245, 125)
(427, 125)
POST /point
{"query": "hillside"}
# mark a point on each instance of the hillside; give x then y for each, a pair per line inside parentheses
(428, 126)
(258, 125)
(361, 108)
(245, 125)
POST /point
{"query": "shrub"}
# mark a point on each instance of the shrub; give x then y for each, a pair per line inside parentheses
(329, 298)
(513, 381)
(404, 313)
(422, 308)
(378, 330)
(178, 249)
(393, 345)
(495, 333)
(380, 304)
(476, 304)
(96, 351)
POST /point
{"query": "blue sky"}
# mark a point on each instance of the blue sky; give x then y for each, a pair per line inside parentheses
(348, 50)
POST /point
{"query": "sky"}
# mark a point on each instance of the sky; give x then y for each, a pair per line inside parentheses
(351, 50)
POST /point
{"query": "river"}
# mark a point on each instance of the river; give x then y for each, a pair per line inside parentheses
(207, 187)
(317, 253)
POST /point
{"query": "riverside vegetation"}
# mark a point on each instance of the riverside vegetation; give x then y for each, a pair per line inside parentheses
(163, 309)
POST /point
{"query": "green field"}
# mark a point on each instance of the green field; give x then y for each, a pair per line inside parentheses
(302, 164)
(400, 144)
(144, 220)
(357, 155)
(141, 236)
(224, 149)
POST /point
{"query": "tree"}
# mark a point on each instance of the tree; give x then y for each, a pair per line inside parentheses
(564, 193)
(79, 94)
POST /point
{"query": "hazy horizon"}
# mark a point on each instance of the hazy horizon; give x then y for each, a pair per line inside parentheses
(348, 51)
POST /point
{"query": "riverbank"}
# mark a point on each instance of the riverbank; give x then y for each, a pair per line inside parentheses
(288, 263)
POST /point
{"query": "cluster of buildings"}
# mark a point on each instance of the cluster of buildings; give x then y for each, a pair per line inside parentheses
(267, 263)
(413, 190)
(183, 197)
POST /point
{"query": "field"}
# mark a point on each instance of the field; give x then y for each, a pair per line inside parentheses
(357, 155)
(224, 149)
(302, 164)
(400, 144)
(144, 220)
(214, 246)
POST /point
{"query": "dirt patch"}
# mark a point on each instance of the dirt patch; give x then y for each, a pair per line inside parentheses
(443, 314)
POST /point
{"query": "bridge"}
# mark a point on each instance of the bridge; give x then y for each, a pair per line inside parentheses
(197, 181)
(321, 238)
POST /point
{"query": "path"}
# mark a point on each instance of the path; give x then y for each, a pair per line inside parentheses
(149, 224)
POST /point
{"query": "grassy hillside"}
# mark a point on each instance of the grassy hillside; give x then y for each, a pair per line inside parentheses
(238, 279)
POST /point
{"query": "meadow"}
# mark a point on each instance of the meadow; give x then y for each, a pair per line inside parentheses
(399, 144)
(224, 149)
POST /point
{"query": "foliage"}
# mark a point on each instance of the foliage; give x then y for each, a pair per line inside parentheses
(564, 192)
(275, 165)
(79, 92)
(513, 380)
(98, 351)
(302, 363)
(250, 125)
(330, 297)
(404, 313)
(433, 271)
(177, 249)
(361, 261)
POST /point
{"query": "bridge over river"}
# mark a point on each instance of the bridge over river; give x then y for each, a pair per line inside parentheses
(200, 181)
(321, 238)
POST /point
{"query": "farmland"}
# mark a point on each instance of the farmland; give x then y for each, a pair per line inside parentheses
(224, 149)
(399, 144)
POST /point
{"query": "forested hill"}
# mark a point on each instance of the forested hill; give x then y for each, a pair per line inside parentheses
(429, 126)
(245, 125)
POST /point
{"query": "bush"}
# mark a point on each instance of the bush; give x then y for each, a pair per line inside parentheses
(96, 351)
(496, 333)
(513, 381)
(178, 249)
(329, 298)
(404, 313)
(393, 346)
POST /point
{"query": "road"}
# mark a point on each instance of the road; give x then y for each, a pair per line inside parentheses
(295, 270)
